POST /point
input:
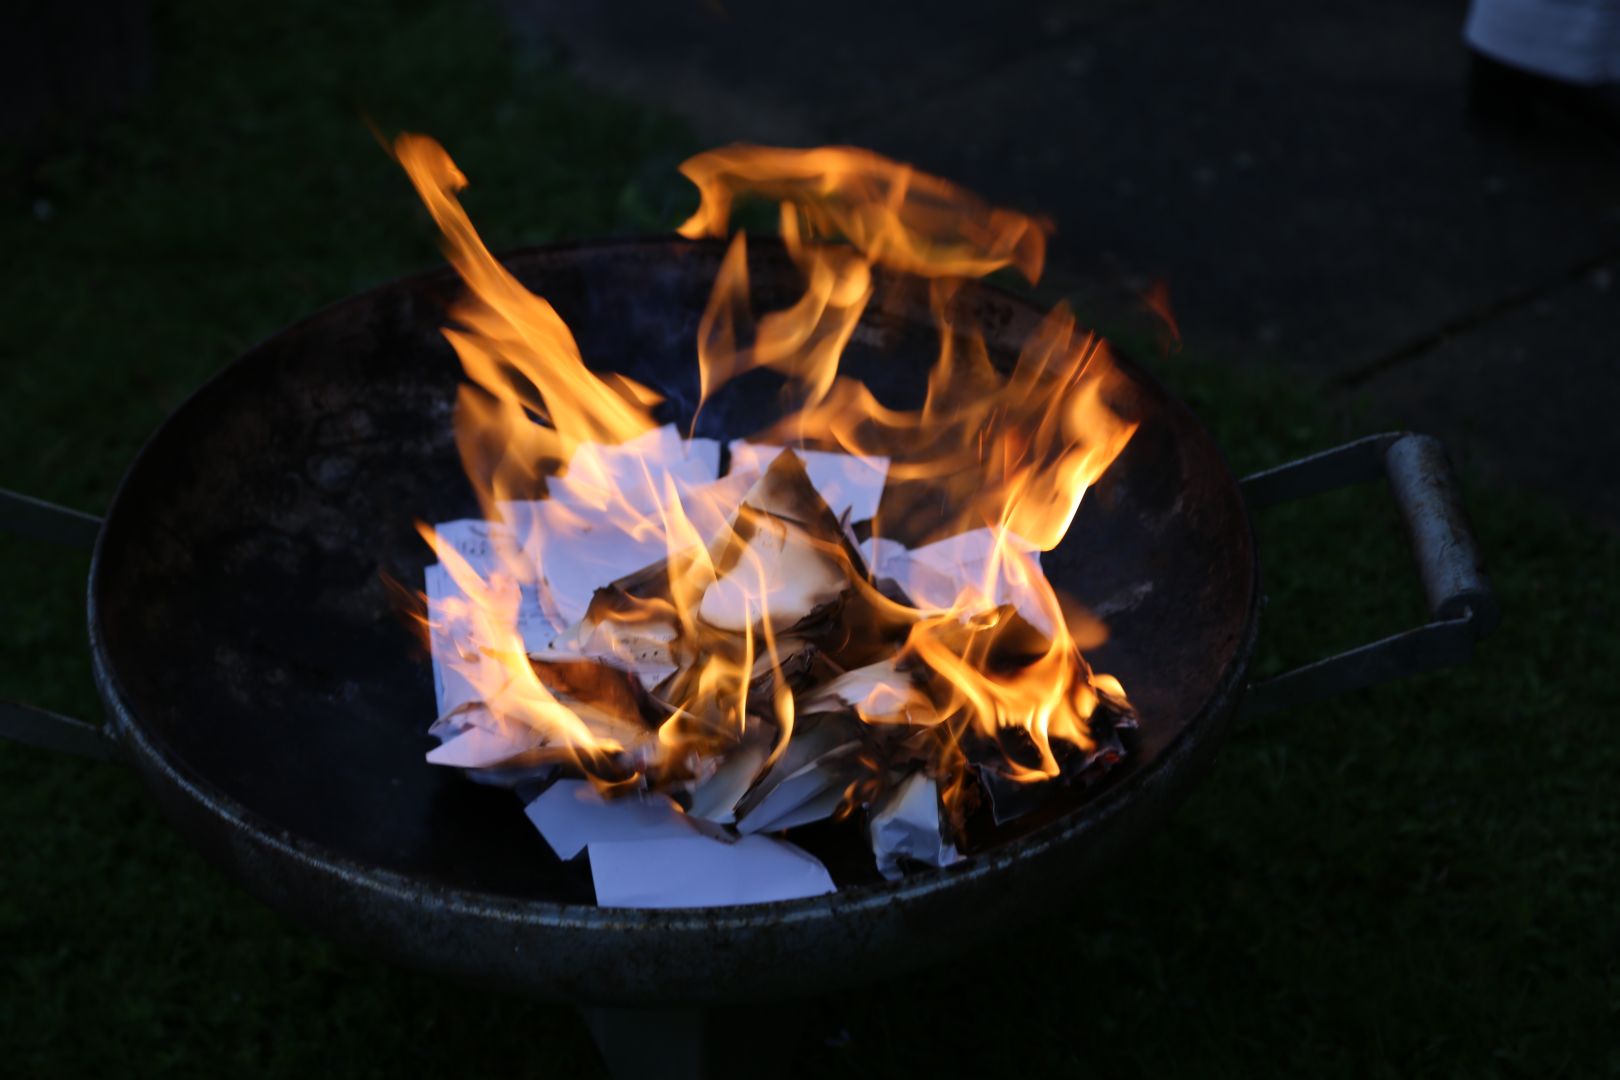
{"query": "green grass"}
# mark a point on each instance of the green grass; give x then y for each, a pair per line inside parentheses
(1419, 879)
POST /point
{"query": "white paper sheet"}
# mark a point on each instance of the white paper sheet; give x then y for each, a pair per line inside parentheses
(848, 483)
(885, 557)
(450, 689)
(816, 759)
(571, 815)
(590, 549)
(475, 742)
(578, 551)
(715, 799)
(907, 824)
(711, 507)
(697, 871)
(582, 538)
(645, 853)
(450, 724)
(473, 539)
(798, 797)
(477, 748)
(588, 553)
(477, 541)
(973, 546)
(935, 574)
(635, 472)
(878, 690)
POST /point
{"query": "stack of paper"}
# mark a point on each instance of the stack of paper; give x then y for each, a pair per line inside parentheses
(601, 524)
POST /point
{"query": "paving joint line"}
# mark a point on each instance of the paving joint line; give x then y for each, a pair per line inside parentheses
(1470, 320)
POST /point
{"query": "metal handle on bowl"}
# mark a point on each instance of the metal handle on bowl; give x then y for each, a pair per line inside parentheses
(1462, 605)
(29, 724)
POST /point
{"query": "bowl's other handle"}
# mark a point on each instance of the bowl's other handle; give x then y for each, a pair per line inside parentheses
(1461, 602)
(29, 724)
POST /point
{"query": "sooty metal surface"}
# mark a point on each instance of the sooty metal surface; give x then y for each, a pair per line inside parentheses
(257, 673)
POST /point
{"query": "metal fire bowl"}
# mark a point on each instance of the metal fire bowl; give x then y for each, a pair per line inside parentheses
(255, 672)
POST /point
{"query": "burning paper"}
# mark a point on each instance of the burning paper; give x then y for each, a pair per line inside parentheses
(852, 486)
(850, 629)
(906, 825)
(604, 505)
(782, 538)
(808, 781)
(995, 568)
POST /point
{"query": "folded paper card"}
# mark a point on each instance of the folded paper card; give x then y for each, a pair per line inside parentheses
(699, 871)
(571, 815)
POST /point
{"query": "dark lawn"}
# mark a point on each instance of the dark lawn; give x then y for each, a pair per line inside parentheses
(1417, 879)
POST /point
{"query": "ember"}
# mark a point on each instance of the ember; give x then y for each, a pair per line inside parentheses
(849, 623)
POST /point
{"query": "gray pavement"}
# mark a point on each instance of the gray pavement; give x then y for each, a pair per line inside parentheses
(1306, 180)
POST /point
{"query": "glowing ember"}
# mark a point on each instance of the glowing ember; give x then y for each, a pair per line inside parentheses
(731, 641)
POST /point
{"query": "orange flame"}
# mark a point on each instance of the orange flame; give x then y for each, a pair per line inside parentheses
(727, 609)
(515, 347)
(890, 215)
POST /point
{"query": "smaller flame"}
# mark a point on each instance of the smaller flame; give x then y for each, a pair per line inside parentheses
(516, 348)
(889, 212)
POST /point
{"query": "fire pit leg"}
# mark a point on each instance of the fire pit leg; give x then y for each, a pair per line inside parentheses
(641, 1043)
(693, 1044)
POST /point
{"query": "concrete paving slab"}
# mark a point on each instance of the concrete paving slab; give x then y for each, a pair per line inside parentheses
(1531, 399)
(1311, 192)
(792, 72)
(1307, 182)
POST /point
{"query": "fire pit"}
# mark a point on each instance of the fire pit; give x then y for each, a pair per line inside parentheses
(734, 689)
(248, 650)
